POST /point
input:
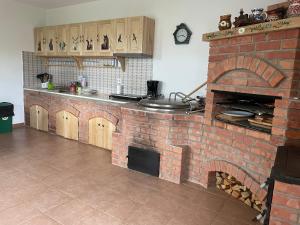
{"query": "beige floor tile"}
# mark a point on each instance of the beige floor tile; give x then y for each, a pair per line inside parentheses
(18, 214)
(41, 220)
(70, 213)
(49, 199)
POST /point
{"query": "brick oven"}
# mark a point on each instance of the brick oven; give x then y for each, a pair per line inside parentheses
(257, 66)
(261, 66)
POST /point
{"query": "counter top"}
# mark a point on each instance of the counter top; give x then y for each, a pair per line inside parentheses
(98, 97)
(125, 104)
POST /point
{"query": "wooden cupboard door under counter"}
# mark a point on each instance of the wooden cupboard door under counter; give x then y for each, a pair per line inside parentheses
(39, 118)
(67, 125)
(100, 133)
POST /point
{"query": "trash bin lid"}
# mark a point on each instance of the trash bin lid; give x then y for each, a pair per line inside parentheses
(6, 109)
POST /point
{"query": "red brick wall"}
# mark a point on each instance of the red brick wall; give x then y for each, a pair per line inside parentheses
(286, 204)
(263, 64)
(83, 109)
(177, 137)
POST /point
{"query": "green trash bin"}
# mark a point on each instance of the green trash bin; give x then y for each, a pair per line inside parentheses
(6, 114)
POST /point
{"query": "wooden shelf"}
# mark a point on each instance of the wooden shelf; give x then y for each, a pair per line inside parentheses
(284, 24)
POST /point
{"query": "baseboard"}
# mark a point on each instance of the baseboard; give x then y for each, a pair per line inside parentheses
(18, 125)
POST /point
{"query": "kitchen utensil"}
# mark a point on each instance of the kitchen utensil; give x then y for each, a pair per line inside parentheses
(255, 122)
(236, 113)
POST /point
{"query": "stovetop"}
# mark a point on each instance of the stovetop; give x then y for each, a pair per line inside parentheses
(127, 97)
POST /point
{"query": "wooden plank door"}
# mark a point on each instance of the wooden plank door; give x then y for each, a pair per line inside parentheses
(42, 119)
(62, 40)
(60, 123)
(105, 38)
(71, 126)
(75, 39)
(40, 41)
(135, 34)
(89, 39)
(33, 117)
(121, 38)
(51, 39)
(100, 133)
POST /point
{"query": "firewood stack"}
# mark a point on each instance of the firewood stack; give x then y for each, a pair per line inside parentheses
(232, 186)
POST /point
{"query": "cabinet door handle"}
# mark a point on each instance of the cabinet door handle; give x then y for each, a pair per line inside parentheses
(38, 112)
(66, 118)
(103, 126)
(99, 124)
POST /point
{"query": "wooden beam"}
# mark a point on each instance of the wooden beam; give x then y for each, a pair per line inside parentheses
(284, 24)
(79, 62)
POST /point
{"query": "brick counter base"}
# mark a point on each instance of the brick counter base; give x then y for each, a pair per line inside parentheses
(286, 204)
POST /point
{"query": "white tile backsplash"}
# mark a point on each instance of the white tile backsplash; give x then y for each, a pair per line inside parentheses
(64, 70)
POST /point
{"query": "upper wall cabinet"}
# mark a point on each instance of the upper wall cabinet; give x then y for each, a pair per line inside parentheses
(125, 37)
(40, 41)
(75, 39)
(105, 38)
(89, 35)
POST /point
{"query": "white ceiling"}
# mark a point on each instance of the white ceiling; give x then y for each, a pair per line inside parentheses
(50, 4)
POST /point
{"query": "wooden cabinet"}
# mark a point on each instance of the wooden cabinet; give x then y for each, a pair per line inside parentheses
(67, 125)
(39, 118)
(51, 41)
(105, 38)
(100, 132)
(40, 41)
(135, 35)
(140, 35)
(128, 36)
(75, 40)
(89, 32)
(121, 37)
(62, 40)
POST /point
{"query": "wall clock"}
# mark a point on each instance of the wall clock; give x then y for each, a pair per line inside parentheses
(182, 34)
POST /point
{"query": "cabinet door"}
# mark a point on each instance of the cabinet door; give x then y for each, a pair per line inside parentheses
(62, 40)
(42, 119)
(71, 126)
(75, 39)
(135, 34)
(60, 123)
(105, 38)
(100, 132)
(40, 41)
(33, 117)
(89, 39)
(51, 41)
(121, 38)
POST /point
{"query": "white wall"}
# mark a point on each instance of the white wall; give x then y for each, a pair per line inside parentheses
(16, 25)
(181, 68)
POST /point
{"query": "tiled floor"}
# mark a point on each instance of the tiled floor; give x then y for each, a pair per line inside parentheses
(47, 180)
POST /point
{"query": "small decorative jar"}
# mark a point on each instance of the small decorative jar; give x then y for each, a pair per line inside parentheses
(294, 8)
(225, 22)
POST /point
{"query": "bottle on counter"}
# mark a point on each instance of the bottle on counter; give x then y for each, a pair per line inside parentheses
(78, 88)
(73, 87)
(120, 87)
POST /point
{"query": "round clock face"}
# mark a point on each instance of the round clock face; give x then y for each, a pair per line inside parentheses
(182, 35)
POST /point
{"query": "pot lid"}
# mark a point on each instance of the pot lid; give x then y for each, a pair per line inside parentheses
(163, 104)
